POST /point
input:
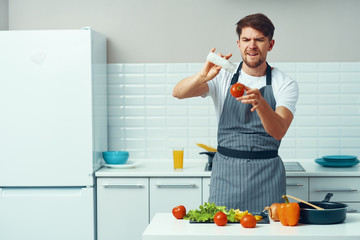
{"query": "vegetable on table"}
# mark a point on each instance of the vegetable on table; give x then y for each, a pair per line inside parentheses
(248, 221)
(289, 213)
(220, 219)
(179, 212)
(258, 217)
(239, 214)
(272, 211)
(207, 213)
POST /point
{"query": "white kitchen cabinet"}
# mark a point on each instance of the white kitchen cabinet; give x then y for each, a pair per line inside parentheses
(166, 193)
(345, 190)
(297, 187)
(122, 208)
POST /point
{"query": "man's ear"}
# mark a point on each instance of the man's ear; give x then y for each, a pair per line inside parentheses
(272, 42)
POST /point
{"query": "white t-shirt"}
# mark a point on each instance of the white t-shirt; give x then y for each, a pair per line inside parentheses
(285, 89)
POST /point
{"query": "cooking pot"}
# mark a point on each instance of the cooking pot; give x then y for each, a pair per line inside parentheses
(333, 212)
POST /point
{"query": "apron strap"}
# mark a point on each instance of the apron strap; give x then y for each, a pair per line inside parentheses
(235, 78)
(268, 74)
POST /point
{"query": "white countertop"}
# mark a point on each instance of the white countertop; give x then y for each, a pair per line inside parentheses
(195, 168)
(165, 227)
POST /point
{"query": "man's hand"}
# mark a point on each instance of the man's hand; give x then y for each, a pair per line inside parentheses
(276, 123)
(196, 85)
(210, 70)
(254, 97)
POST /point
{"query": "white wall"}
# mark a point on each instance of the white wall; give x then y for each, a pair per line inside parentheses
(147, 121)
(169, 31)
(4, 18)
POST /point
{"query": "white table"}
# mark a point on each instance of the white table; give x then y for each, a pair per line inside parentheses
(165, 227)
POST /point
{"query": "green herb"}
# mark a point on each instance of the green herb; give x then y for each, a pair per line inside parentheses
(207, 212)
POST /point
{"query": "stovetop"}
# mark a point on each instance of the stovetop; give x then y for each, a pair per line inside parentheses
(293, 167)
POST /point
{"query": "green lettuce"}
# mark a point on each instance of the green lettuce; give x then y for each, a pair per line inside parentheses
(206, 213)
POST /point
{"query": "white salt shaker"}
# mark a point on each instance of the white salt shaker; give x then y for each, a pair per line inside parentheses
(222, 62)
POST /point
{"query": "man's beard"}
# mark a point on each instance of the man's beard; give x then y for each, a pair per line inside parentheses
(253, 64)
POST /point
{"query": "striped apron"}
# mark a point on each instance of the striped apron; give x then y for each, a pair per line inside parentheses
(247, 173)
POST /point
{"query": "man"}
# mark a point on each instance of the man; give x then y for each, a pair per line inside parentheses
(247, 172)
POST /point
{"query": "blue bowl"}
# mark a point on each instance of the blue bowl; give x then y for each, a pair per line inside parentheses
(115, 157)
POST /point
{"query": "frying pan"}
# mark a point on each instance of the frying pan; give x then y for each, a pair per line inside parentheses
(333, 212)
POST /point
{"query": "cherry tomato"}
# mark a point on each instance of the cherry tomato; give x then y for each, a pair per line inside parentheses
(179, 212)
(248, 221)
(220, 219)
(237, 90)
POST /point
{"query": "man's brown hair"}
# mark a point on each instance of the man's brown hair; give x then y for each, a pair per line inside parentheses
(259, 22)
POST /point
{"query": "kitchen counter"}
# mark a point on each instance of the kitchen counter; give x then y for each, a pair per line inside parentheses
(195, 168)
(165, 227)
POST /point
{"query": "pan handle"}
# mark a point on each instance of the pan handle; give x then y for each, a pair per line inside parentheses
(327, 197)
(210, 154)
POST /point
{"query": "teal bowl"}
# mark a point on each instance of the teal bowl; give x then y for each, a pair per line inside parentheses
(116, 157)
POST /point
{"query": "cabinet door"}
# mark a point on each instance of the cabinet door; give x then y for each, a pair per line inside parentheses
(344, 188)
(297, 187)
(166, 193)
(205, 190)
(122, 208)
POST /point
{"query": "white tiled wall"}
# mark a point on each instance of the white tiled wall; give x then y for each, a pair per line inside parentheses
(147, 121)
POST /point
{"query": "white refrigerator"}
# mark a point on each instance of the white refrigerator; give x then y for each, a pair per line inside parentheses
(53, 129)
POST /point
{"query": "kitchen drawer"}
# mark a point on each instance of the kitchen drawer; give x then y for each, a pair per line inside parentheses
(166, 193)
(205, 190)
(353, 207)
(297, 187)
(345, 189)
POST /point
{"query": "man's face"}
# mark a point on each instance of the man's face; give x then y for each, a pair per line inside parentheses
(254, 46)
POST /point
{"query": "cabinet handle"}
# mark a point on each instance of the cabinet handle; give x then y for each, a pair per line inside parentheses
(294, 185)
(335, 190)
(190, 185)
(352, 211)
(137, 185)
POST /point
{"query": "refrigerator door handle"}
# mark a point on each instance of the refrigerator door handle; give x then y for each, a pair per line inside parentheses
(45, 192)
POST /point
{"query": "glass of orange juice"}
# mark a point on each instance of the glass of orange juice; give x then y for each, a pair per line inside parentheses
(178, 157)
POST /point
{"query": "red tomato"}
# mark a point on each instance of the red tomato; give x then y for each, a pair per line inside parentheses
(220, 219)
(179, 212)
(248, 221)
(237, 90)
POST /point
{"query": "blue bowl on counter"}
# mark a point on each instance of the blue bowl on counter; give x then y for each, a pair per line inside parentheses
(116, 157)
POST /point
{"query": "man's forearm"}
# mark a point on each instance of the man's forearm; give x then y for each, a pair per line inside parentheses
(193, 86)
(276, 123)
